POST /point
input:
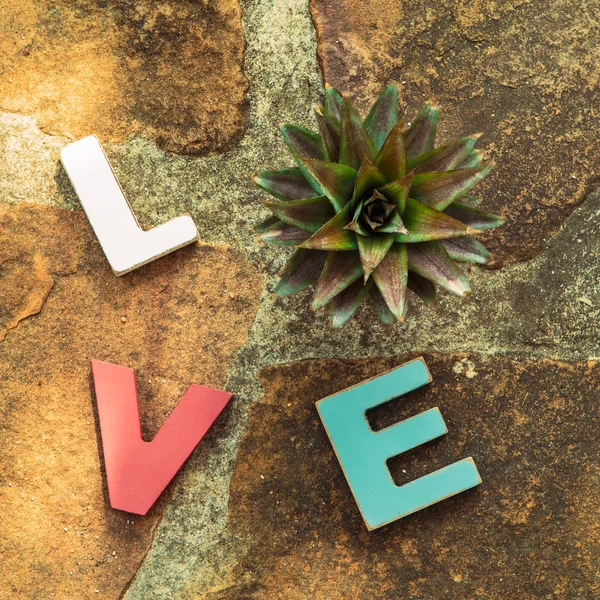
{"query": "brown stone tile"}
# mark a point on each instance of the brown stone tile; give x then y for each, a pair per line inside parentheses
(531, 530)
(171, 71)
(523, 73)
(182, 325)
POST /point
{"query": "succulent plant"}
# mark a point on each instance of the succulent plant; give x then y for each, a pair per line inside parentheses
(374, 208)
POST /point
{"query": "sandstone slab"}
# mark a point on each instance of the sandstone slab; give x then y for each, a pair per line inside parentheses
(531, 530)
(171, 71)
(171, 321)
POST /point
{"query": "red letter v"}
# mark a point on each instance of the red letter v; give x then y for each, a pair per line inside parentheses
(138, 471)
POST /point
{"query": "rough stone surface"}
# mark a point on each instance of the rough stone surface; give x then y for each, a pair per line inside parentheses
(523, 73)
(171, 71)
(170, 321)
(531, 530)
(544, 308)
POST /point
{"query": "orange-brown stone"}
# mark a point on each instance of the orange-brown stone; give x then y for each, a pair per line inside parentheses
(170, 71)
(172, 321)
(531, 530)
(523, 73)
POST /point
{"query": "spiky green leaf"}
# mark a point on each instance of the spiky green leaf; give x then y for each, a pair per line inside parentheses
(470, 201)
(381, 308)
(336, 180)
(330, 138)
(473, 217)
(283, 234)
(267, 223)
(303, 144)
(372, 249)
(419, 137)
(397, 191)
(301, 141)
(430, 260)
(355, 142)
(333, 236)
(369, 177)
(439, 190)
(383, 115)
(390, 276)
(425, 223)
(344, 305)
(422, 287)
(309, 214)
(333, 101)
(341, 270)
(394, 225)
(286, 184)
(391, 159)
(471, 161)
(446, 157)
(301, 271)
(466, 249)
(356, 224)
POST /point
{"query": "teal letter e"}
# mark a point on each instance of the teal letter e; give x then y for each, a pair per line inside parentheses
(363, 453)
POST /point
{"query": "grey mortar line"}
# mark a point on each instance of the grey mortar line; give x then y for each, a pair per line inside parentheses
(285, 82)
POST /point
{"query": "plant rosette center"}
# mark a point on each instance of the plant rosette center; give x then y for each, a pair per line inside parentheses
(375, 209)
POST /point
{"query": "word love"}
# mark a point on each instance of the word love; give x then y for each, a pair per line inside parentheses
(363, 453)
(138, 471)
(126, 245)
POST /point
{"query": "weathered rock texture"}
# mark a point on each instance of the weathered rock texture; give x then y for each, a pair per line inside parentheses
(531, 530)
(530, 326)
(171, 321)
(170, 71)
(523, 73)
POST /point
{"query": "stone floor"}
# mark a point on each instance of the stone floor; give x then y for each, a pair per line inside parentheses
(185, 97)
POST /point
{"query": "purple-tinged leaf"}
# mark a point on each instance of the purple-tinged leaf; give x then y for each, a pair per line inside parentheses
(286, 184)
(333, 236)
(471, 161)
(344, 305)
(333, 101)
(357, 224)
(369, 177)
(302, 142)
(329, 137)
(391, 159)
(383, 115)
(419, 137)
(341, 270)
(470, 201)
(391, 278)
(422, 287)
(466, 249)
(283, 234)
(425, 223)
(394, 225)
(336, 181)
(381, 308)
(301, 271)
(444, 158)
(430, 260)
(397, 191)
(309, 214)
(267, 223)
(439, 190)
(473, 217)
(372, 250)
(355, 143)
